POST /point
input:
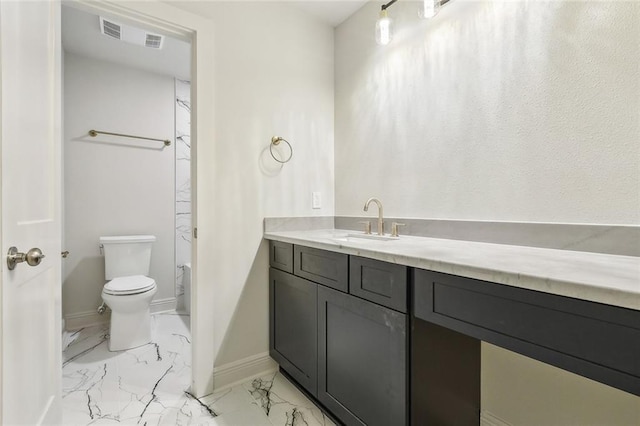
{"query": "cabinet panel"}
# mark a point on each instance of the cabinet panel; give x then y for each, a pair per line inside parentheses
(362, 360)
(293, 326)
(281, 256)
(324, 267)
(380, 282)
(597, 341)
(445, 376)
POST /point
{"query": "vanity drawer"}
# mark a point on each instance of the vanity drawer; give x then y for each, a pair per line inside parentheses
(379, 282)
(281, 256)
(321, 266)
(598, 341)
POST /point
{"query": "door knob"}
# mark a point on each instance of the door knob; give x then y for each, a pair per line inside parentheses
(33, 257)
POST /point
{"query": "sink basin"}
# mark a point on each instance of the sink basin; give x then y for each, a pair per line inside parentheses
(373, 237)
(365, 237)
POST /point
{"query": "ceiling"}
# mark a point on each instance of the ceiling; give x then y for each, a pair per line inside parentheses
(332, 12)
(81, 35)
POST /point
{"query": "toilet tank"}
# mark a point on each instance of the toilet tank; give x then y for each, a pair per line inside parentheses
(126, 255)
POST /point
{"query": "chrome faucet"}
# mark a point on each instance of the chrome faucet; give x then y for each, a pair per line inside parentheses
(380, 217)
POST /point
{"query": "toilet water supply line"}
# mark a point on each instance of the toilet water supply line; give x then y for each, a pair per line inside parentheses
(102, 308)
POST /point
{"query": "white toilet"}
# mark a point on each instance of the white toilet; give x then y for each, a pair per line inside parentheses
(130, 290)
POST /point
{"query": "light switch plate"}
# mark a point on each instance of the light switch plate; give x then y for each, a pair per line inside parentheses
(316, 201)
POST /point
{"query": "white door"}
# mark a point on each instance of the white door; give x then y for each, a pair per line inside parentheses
(30, 53)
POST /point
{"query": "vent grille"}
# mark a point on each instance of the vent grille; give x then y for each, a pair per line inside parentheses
(130, 34)
(111, 29)
(153, 41)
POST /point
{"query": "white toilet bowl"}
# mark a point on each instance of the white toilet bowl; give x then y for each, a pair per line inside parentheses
(129, 298)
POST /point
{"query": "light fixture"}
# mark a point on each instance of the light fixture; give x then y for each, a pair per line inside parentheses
(429, 8)
(384, 25)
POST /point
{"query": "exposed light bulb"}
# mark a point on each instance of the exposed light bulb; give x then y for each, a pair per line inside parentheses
(429, 8)
(384, 28)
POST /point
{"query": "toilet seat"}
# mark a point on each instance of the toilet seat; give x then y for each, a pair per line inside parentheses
(132, 284)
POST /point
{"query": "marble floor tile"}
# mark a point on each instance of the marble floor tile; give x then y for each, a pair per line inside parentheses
(251, 415)
(284, 404)
(149, 385)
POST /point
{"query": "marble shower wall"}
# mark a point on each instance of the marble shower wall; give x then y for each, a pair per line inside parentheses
(183, 180)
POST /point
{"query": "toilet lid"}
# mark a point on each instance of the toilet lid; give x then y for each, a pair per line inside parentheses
(130, 284)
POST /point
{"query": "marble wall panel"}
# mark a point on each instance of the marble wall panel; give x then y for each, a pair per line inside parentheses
(183, 180)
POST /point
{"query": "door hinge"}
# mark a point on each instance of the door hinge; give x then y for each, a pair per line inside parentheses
(195, 232)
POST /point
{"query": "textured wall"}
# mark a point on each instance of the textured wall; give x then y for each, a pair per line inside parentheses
(524, 111)
(512, 111)
(112, 185)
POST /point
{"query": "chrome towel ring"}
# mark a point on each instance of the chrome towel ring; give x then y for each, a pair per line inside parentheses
(275, 141)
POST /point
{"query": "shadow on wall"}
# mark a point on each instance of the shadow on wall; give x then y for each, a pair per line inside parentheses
(85, 282)
(248, 331)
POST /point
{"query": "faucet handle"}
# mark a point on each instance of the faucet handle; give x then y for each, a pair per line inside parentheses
(367, 226)
(394, 228)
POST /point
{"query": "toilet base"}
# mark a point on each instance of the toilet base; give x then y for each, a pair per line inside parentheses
(129, 330)
(130, 325)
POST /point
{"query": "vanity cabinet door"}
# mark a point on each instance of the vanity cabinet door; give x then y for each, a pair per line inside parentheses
(293, 327)
(362, 360)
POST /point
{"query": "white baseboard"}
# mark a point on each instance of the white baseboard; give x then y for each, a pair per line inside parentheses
(163, 305)
(89, 318)
(85, 319)
(489, 419)
(235, 373)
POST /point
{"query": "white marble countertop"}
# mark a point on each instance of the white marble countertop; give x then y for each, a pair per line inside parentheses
(603, 278)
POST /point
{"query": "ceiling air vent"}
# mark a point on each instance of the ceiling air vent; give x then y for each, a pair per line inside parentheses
(153, 41)
(111, 29)
(130, 34)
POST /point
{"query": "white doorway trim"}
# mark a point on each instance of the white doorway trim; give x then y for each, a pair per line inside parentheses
(199, 31)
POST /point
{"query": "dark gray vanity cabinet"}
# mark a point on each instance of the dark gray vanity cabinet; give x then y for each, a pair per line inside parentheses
(597, 341)
(453, 314)
(338, 327)
(293, 328)
(362, 360)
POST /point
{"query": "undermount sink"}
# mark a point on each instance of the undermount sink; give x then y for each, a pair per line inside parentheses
(361, 237)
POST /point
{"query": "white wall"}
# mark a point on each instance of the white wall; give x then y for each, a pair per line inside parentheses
(273, 76)
(529, 393)
(514, 111)
(115, 186)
